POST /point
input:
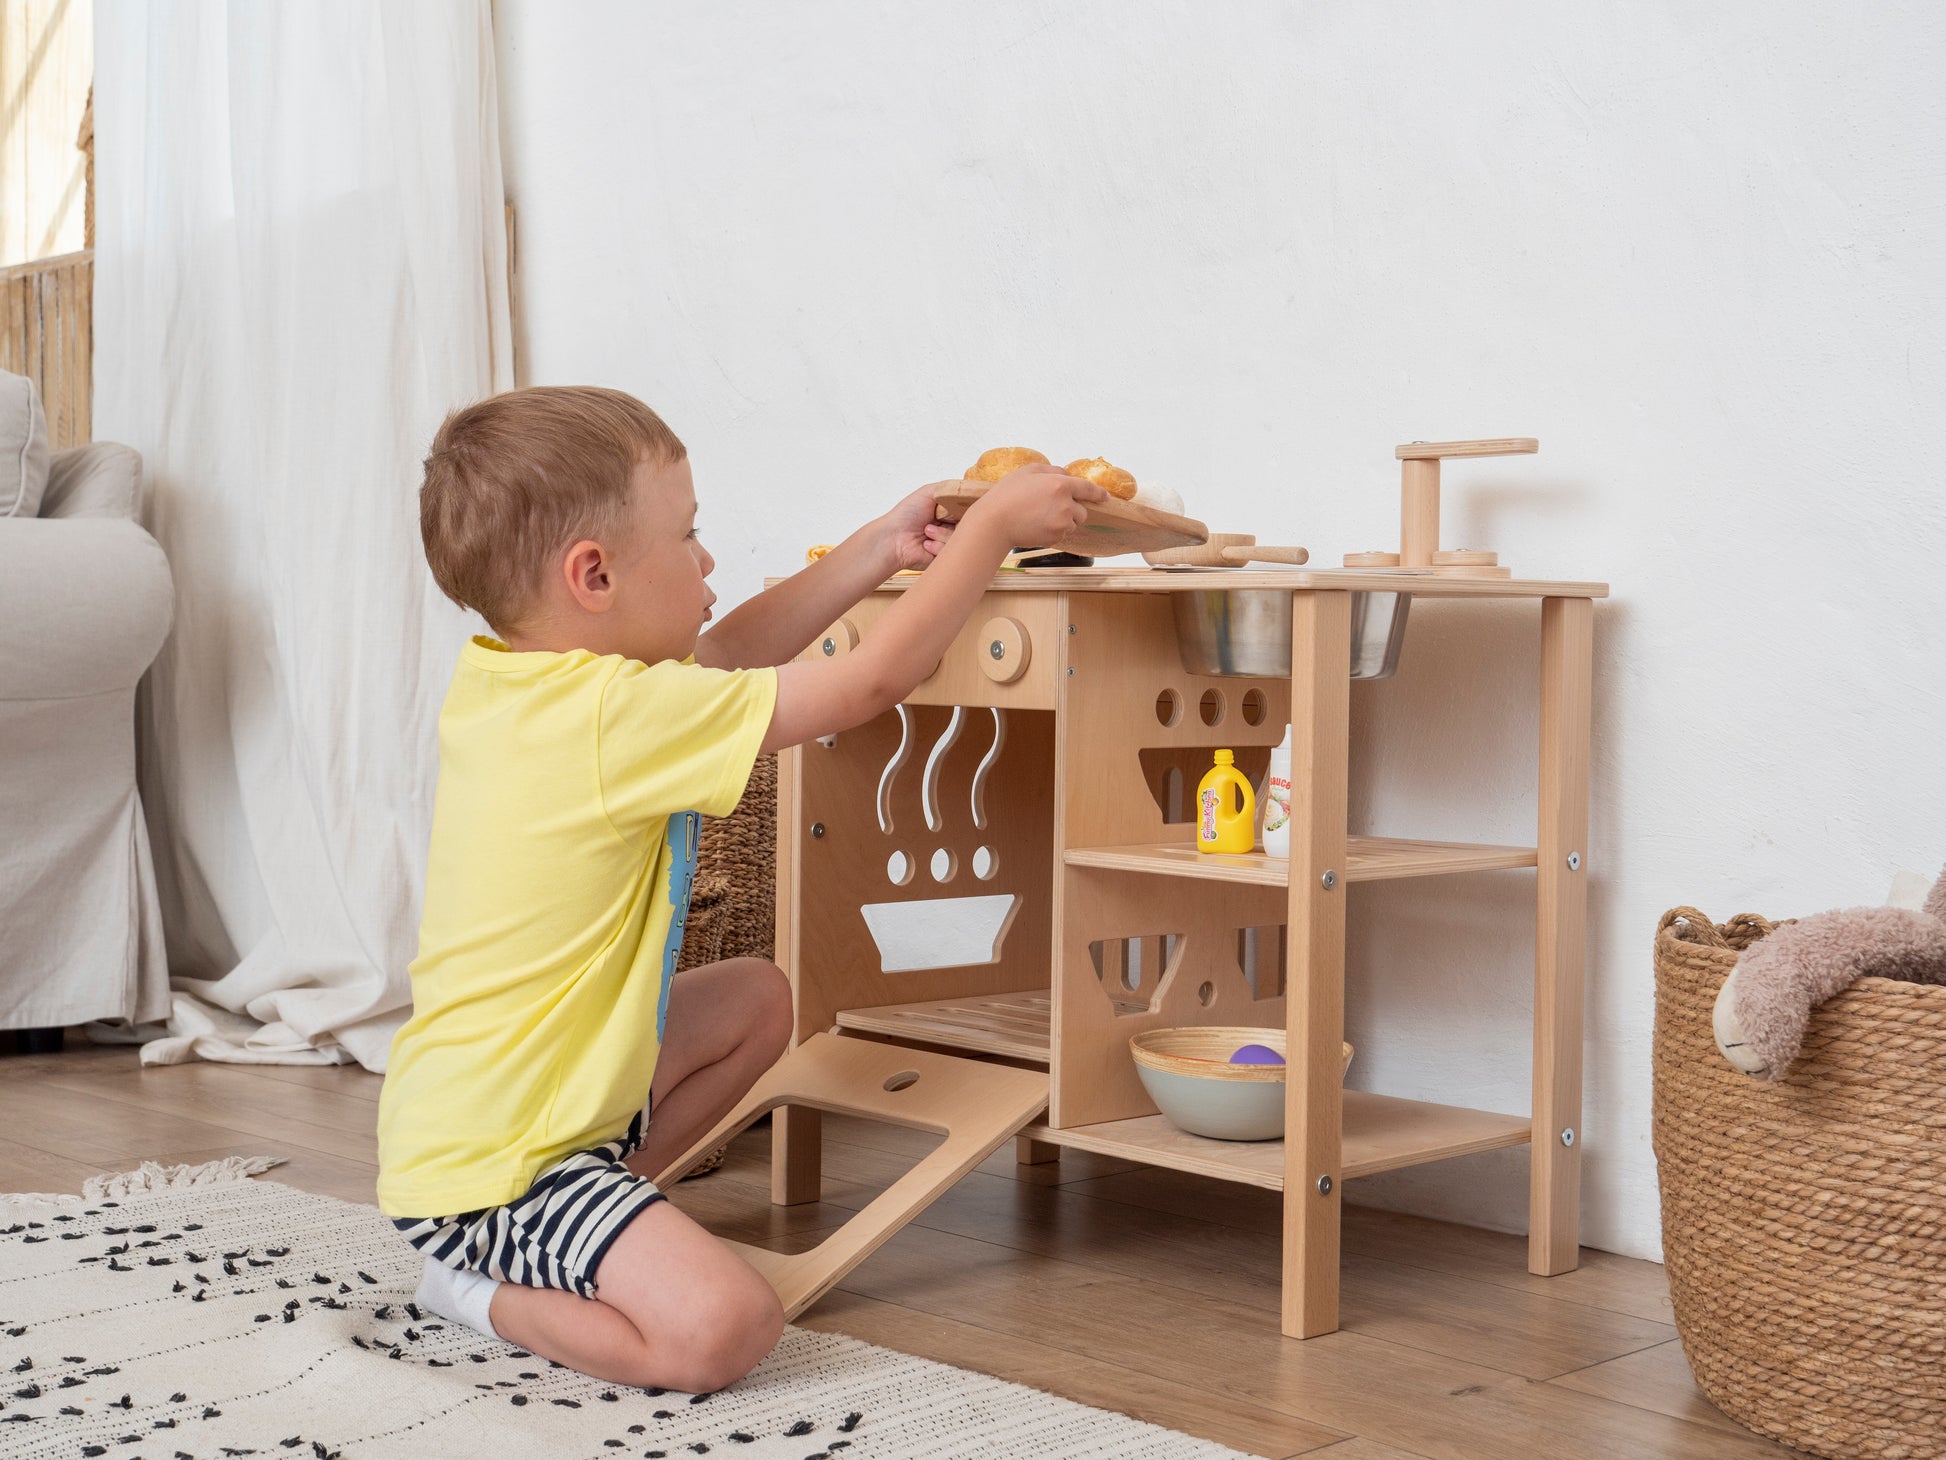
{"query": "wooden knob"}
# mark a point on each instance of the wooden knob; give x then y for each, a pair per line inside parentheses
(1004, 650)
(1469, 563)
(841, 638)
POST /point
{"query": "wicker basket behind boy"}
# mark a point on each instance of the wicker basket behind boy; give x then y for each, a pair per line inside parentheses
(553, 1056)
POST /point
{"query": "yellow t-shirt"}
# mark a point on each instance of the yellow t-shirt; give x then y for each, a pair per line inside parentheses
(563, 849)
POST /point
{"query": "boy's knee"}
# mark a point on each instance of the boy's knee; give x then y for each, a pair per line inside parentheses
(756, 1323)
(743, 1324)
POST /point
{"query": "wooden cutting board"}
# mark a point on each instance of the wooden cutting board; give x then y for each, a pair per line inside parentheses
(1113, 527)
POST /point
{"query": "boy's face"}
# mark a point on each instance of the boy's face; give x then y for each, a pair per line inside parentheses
(661, 600)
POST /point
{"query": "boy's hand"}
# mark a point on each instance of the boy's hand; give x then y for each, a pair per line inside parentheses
(1038, 505)
(912, 531)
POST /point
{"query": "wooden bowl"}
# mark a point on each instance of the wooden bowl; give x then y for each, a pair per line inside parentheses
(1188, 1074)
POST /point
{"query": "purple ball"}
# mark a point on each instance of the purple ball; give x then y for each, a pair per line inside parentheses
(1256, 1054)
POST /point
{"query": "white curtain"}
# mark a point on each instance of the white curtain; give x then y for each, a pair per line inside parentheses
(300, 267)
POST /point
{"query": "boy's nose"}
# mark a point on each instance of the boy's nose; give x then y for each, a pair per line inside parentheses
(709, 563)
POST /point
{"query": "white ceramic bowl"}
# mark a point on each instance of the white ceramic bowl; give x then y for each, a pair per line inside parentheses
(1188, 1074)
(1224, 1109)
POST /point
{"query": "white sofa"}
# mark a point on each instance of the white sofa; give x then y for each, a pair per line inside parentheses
(85, 604)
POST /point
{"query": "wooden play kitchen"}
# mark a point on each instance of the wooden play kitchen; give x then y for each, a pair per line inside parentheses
(985, 894)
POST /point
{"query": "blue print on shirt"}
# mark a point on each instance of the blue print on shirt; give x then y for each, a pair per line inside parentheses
(683, 830)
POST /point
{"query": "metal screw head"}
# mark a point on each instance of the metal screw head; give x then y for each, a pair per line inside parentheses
(1574, 861)
(830, 647)
(1567, 1136)
(1070, 671)
(1071, 628)
(1324, 1186)
(1330, 879)
(997, 649)
(817, 828)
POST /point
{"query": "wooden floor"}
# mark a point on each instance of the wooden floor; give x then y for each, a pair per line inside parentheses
(1141, 1290)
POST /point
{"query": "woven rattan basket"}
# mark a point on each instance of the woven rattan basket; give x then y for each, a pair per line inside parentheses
(733, 911)
(733, 906)
(1804, 1222)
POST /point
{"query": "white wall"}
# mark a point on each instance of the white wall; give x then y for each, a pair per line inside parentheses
(1246, 249)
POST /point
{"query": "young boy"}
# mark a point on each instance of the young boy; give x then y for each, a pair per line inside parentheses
(554, 1062)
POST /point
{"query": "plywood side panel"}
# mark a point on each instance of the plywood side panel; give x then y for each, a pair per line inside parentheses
(1203, 981)
(1128, 692)
(839, 855)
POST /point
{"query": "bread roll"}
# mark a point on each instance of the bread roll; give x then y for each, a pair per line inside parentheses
(1104, 474)
(996, 463)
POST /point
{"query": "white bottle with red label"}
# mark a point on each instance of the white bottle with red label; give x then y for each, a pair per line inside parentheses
(1277, 801)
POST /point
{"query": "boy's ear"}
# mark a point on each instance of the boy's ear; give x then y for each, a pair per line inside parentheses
(586, 569)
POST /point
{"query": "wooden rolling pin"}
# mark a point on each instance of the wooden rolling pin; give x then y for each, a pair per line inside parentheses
(1225, 550)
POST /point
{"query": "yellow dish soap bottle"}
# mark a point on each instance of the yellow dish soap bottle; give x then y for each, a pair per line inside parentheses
(1225, 823)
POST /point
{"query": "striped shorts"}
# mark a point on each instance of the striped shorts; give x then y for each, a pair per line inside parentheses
(557, 1234)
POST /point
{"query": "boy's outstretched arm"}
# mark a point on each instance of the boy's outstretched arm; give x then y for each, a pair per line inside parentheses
(1028, 508)
(776, 625)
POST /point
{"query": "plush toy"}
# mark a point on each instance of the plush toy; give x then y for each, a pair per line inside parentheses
(1767, 1000)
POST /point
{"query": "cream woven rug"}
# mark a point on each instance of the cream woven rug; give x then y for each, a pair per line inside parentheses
(216, 1316)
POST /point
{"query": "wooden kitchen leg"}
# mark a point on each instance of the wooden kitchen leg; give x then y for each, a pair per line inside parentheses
(796, 1156)
(1314, 981)
(1554, 1188)
(796, 1133)
(1030, 1152)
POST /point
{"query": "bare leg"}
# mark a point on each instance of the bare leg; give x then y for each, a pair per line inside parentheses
(676, 1308)
(728, 1023)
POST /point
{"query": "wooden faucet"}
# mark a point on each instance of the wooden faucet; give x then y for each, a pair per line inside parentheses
(1419, 509)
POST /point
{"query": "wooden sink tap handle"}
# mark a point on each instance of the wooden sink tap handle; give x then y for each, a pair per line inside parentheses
(1419, 489)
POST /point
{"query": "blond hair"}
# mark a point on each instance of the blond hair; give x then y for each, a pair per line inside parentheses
(513, 480)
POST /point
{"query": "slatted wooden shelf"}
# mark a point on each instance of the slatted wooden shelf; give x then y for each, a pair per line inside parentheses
(1372, 859)
(1014, 1026)
(1381, 1133)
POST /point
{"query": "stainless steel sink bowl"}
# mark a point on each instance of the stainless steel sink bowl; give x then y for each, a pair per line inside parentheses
(1246, 632)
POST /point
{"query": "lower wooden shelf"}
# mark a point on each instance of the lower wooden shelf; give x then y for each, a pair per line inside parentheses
(1013, 1026)
(1381, 1132)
